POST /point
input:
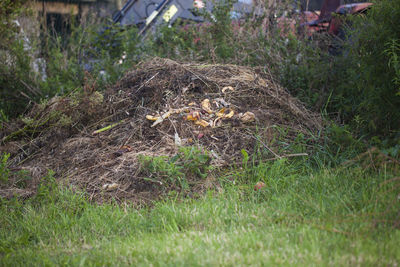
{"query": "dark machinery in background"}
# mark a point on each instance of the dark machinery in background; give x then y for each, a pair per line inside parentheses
(330, 19)
(149, 14)
(332, 13)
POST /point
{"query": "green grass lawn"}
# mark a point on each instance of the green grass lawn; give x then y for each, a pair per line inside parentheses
(308, 217)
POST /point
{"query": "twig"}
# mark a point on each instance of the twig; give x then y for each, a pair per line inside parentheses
(26, 96)
(265, 160)
(128, 139)
(269, 149)
(273, 82)
(28, 157)
(107, 127)
(35, 91)
(146, 82)
(197, 76)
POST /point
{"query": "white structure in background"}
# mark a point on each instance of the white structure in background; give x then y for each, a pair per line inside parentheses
(38, 64)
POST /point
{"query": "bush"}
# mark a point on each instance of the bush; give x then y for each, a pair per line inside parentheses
(100, 52)
(367, 89)
(88, 56)
(10, 10)
(17, 86)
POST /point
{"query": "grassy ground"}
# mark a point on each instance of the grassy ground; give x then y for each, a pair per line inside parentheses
(341, 216)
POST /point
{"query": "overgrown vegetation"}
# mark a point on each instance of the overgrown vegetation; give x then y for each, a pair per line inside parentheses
(4, 171)
(337, 204)
(303, 216)
(360, 86)
(184, 169)
(15, 68)
(366, 91)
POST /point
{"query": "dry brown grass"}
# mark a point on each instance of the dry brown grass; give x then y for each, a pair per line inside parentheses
(89, 161)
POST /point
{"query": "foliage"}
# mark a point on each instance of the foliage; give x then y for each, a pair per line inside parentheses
(4, 171)
(47, 190)
(189, 165)
(104, 50)
(211, 40)
(18, 178)
(9, 10)
(393, 51)
(366, 92)
(64, 62)
(17, 86)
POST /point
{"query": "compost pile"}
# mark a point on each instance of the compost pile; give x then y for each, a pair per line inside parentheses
(93, 141)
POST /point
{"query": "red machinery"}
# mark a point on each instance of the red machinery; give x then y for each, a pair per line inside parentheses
(343, 10)
(329, 19)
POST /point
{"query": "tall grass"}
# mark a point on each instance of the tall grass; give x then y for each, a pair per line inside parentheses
(305, 216)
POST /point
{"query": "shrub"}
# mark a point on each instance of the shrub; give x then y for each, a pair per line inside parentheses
(367, 90)
(17, 82)
(104, 49)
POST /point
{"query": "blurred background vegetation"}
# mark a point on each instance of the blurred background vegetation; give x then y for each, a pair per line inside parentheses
(358, 88)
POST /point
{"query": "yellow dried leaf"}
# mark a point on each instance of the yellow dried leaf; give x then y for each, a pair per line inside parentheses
(220, 113)
(162, 118)
(223, 113)
(206, 106)
(151, 118)
(193, 116)
(202, 123)
(166, 115)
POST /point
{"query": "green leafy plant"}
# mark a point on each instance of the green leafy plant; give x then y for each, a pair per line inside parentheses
(245, 159)
(4, 171)
(367, 73)
(47, 190)
(9, 10)
(159, 168)
(190, 164)
(393, 51)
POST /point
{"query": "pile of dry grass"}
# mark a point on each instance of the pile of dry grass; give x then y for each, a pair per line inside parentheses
(89, 160)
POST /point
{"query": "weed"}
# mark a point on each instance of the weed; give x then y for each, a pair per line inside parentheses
(47, 190)
(4, 171)
(19, 178)
(163, 169)
(195, 161)
(189, 165)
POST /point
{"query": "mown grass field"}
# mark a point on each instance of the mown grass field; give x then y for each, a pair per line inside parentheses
(304, 216)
